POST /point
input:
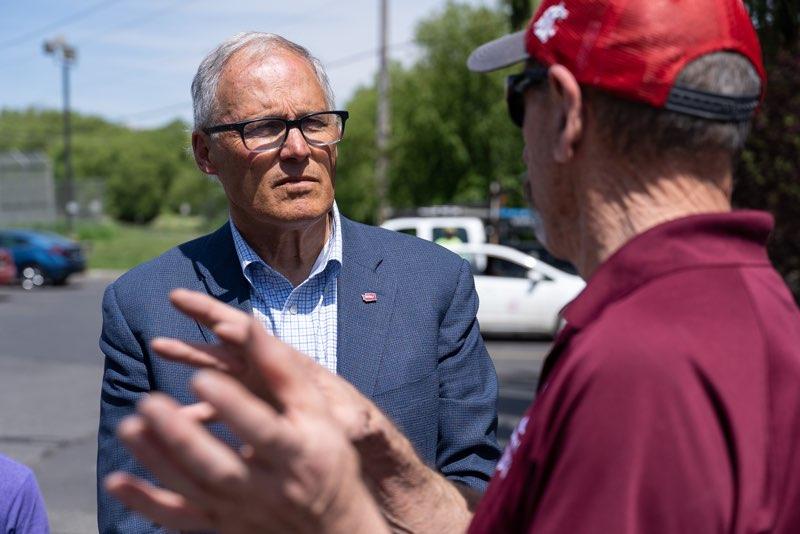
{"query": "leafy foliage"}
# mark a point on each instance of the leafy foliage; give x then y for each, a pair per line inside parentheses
(450, 133)
(140, 167)
(355, 169)
(778, 24)
(767, 173)
(519, 11)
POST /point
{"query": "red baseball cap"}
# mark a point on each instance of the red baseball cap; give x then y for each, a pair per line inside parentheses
(635, 49)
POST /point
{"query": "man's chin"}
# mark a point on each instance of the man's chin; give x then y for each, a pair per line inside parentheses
(299, 210)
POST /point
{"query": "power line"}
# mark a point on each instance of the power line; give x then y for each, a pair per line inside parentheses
(364, 54)
(170, 7)
(341, 62)
(134, 22)
(39, 32)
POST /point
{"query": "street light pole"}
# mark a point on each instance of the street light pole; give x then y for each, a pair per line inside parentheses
(66, 54)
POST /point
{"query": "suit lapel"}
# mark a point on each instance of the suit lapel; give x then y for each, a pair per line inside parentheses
(219, 273)
(362, 324)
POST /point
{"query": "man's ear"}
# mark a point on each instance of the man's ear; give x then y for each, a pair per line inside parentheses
(201, 151)
(566, 97)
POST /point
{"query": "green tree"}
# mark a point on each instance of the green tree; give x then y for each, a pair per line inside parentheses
(140, 167)
(451, 136)
(355, 170)
(767, 172)
(778, 23)
(203, 194)
(139, 182)
(452, 120)
(519, 11)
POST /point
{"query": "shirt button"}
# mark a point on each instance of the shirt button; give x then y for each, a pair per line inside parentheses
(293, 309)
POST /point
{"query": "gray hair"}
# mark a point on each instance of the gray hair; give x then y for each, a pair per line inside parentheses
(206, 80)
(638, 130)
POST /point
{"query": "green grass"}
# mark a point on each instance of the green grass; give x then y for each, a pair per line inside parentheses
(130, 245)
(111, 245)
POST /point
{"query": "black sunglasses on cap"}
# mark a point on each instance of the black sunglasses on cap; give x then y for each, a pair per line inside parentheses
(516, 85)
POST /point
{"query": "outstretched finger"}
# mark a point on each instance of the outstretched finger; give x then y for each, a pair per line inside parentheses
(200, 355)
(163, 506)
(206, 309)
(280, 373)
(202, 412)
(191, 448)
(136, 435)
(256, 423)
(281, 370)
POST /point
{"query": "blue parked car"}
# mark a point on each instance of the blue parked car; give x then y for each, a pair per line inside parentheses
(43, 257)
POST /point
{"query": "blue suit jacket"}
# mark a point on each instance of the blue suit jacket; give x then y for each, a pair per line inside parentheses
(416, 352)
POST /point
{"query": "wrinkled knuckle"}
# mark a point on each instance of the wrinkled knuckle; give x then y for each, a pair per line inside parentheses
(182, 441)
(230, 479)
(263, 438)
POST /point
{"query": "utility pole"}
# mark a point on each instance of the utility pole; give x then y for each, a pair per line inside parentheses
(66, 54)
(382, 126)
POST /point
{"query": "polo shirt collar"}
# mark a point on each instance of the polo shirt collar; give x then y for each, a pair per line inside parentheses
(706, 240)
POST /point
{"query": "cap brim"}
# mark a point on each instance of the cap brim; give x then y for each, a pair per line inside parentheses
(499, 53)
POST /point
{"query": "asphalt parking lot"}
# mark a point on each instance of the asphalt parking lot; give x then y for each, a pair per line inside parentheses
(50, 370)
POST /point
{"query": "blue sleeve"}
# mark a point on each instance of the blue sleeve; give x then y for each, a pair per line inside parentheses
(467, 449)
(125, 381)
(27, 514)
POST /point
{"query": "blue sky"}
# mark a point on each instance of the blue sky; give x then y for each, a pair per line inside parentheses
(136, 58)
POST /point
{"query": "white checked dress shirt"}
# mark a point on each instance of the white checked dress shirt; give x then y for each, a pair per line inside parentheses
(303, 316)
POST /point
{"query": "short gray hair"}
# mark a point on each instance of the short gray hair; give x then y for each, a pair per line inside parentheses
(206, 80)
(637, 130)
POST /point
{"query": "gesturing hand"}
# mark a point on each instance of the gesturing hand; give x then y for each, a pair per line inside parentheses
(297, 471)
(240, 356)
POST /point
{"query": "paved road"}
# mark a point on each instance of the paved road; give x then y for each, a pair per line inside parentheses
(518, 364)
(50, 370)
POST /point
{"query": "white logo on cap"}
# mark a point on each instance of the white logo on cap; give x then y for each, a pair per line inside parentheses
(545, 27)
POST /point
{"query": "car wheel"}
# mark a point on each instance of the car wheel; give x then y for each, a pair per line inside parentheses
(32, 276)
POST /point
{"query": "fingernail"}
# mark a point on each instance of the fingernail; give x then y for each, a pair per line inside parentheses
(113, 479)
(128, 426)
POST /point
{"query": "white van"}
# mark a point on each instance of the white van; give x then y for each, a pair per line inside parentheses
(446, 231)
(467, 229)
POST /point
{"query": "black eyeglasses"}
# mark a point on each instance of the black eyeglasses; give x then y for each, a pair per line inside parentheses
(323, 128)
(516, 85)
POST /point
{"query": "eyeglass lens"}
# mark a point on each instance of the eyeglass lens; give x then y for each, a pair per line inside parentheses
(320, 129)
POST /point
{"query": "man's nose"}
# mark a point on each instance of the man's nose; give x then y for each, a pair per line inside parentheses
(295, 146)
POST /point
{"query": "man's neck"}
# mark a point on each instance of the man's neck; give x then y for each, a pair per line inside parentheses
(611, 218)
(291, 251)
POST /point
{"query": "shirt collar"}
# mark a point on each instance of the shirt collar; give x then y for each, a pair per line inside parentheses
(331, 251)
(736, 238)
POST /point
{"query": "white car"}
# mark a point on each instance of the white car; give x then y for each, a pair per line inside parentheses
(518, 293)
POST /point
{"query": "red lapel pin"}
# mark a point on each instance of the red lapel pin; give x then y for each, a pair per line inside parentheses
(369, 297)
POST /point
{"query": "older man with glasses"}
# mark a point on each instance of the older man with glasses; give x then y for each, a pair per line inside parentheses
(392, 315)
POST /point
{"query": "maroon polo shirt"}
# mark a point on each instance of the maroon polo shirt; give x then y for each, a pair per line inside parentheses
(671, 401)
